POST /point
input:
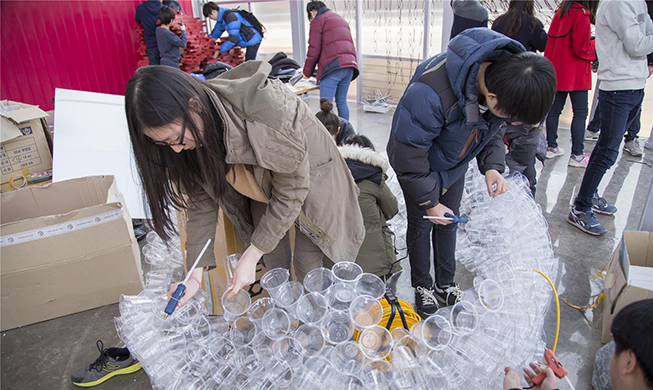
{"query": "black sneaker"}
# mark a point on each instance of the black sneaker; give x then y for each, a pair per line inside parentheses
(448, 295)
(425, 303)
(112, 362)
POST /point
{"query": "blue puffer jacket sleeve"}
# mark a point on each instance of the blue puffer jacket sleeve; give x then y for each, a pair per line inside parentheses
(232, 22)
(217, 30)
(418, 120)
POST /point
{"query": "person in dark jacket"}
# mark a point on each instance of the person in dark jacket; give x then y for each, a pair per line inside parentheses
(339, 128)
(435, 135)
(378, 205)
(147, 14)
(240, 30)
(331, 49)
(571, 49)
(467, 14)
(523, 141)
(167, 41)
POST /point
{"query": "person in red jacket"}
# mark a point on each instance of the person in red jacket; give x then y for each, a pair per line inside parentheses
(331, 48)
(570, 48)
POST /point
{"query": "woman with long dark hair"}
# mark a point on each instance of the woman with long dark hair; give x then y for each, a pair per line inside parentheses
(571, 50)
(331, 49)
(520, 24)
(246, 144)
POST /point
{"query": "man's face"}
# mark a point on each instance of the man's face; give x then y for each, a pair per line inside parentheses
(491, 103)
(214, 15)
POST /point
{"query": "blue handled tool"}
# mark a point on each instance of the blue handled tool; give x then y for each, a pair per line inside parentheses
(450, 217)
(181, 288)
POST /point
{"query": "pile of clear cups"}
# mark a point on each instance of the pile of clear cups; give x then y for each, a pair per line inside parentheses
(328, 333)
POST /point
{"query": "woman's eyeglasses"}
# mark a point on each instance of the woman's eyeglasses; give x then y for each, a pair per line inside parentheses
(181, 138)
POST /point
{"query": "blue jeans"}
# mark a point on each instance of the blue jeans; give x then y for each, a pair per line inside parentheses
(422, 233)
(252, 51)
(619, 109)
(580, 110)
(153, 56)
(336, 84)
(631, 133)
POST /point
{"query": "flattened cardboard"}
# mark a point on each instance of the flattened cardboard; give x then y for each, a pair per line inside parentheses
(66, 272)
(627, 279)
(24, 146)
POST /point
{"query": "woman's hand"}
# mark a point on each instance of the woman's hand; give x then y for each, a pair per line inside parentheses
(245, 271)
(511, 380)
(192, 287)
(496, 183)
(439, 210)
(550, 382)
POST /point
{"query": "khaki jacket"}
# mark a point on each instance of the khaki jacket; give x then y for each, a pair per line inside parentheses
(294, 160)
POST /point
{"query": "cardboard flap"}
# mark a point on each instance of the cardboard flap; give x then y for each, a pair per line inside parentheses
(9, 130)
(11, 119)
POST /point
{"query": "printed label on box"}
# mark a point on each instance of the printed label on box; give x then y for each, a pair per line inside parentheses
(20, 153)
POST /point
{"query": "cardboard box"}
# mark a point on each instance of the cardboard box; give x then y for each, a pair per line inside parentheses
(65, 248)
(25, 145)
(629, 276)
(227, 242)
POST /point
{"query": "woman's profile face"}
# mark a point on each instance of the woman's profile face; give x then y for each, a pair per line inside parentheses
(171, 135)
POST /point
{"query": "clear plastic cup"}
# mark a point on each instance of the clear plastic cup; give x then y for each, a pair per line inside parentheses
(262, 346)
(275, 323)
(375, 342)
(399, 333)
(309, 339)
(279, 373)
(221, 349)
(316, 370)
(219, 326)
(416, 329)
(346, 272)
(235, 306)
(370, 284)
(490, 294)
(365, 311)
(287, 350)
(242, 332)
(377, 375)
(288, 294)
(348, 358)
(259, 308)
(340, 296)
(347, 382)
(318, 280)
(464, 318)
(337, 327)
(311, 308)
(230, 263)
(274, 278)
(437, 332)
(407, 351)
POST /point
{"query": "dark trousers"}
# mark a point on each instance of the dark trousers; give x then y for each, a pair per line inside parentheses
(631, 133)
(153, 56)
(251, 53)
(619, 109)
(580, 110)
(422, 233)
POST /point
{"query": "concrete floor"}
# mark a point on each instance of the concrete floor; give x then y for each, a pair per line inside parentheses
(44, 355)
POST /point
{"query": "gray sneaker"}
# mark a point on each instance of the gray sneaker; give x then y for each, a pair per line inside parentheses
(112, 362)
(633, 148)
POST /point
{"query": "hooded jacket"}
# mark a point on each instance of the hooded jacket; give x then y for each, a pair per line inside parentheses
(378, 205)
(267, 128)
(233, 22)
(147, 13)
(570, 49)
(330, 45)
(429, 148)
(467, 14)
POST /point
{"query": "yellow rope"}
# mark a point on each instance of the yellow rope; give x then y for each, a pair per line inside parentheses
(555, 293)
(599, 298)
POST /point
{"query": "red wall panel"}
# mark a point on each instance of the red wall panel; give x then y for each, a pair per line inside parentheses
(86, 45)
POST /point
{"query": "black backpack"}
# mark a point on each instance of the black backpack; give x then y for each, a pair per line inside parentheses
(256, 24)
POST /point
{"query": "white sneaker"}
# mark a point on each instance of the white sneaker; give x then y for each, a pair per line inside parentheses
(554, 152)
(633, 148)
(579, 161)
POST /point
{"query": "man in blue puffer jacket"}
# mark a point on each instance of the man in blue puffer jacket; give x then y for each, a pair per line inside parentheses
(454, 109)
(241, 32)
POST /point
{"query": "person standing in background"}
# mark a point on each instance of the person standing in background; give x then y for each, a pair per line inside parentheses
(467, 14)
(624, 36)
(167, 41)
(331, 49)
(147, 14)
(571, 49)
(242, 32)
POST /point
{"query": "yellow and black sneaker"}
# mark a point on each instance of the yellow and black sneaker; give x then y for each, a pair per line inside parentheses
(112, 362)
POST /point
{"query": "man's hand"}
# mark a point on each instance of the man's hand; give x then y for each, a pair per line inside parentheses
(511, 380)
(192, 287)
(550, 382)
(496, 183)
(245, 271)
(439, 210)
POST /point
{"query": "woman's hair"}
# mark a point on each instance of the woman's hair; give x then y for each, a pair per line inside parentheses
(327, 117)
(359, 140)
(208, 8)
(157, 96)
(513, 17)
(591, 5)
(313, 6)
(166, 15)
